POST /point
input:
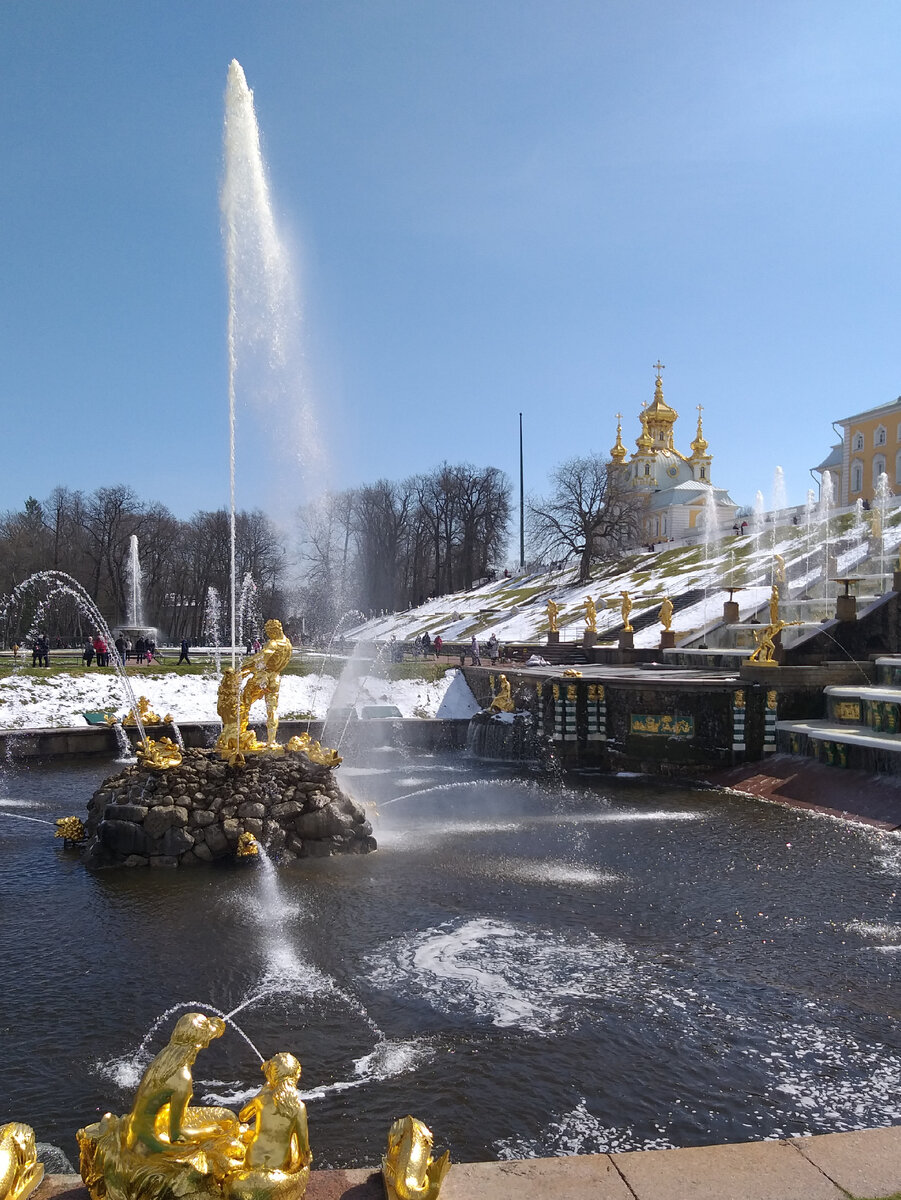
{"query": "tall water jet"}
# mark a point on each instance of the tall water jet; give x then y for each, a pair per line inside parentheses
(882, 494)
(709, 524)
(780, 499)
(824, 512)
(757, 523)
(809, 507)
(134, 599)
(212, 625)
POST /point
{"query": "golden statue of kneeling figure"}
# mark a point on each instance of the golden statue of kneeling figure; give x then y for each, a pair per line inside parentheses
(165, 1149)
(20, 1171)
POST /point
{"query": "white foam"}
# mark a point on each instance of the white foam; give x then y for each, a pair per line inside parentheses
(578, 1132)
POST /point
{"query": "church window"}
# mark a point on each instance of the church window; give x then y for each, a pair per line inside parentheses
(856, 476)
(857, 441)
(878, 468)
(647, 468)
(703, 473)
(879, 438)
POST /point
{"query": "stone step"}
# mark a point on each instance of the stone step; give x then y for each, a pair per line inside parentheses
(840, 745)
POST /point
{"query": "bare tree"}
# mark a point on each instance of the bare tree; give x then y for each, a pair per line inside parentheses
(591, 513)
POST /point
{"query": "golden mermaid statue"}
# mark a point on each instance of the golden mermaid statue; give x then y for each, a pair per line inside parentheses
(278, 1157)
(164, 1149)
(20, 1171)
(503, 701)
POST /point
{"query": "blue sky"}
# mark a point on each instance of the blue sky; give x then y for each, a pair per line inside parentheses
(494, 207)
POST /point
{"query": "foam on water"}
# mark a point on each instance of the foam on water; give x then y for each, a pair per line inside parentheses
(578, 1132)
(511, 976)
(387, 1059)
(552, 873)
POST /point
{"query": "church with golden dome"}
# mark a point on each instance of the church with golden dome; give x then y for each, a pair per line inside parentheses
(676, 485)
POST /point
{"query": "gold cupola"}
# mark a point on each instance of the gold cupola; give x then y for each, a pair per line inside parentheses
(618, 452)
(644, 441)
(660, 417)
(699, 445)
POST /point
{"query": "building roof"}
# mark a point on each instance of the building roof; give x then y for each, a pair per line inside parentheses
(884, 409)
(832, 459)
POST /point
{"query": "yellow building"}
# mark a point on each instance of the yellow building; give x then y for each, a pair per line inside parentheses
(871, 444)
(678, 486)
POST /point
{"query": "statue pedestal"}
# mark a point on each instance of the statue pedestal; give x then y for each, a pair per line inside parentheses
(846, 608)
(730, 612)
(589, 638)
(626, 641)
(667, 639)
(553, 637)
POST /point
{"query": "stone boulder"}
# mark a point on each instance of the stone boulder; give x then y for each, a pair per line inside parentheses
(196, 812)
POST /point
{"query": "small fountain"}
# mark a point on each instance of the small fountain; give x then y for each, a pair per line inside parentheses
(709, 524)
(134, 625)
(212, 626)
(882, 496)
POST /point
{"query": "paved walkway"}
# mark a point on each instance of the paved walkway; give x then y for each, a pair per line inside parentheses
(833, 1166)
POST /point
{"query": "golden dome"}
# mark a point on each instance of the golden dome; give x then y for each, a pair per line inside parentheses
(659, 411)
(699, 445)
(644, 442)
(618, 453)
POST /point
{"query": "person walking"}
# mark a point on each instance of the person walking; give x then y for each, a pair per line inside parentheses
(184, 656)
(437, 644)
(87, 654)
(102, 651)
(474, 651)
(493, 649)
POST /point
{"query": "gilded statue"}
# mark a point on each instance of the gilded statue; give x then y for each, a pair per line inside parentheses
(666, 614)
(625, 609)
(70, 829)
(764, 654)
(408, 1170)
(278, 1157)
(591, 615)
(165, 1149)
(779, 572)
(774, 605)
(145, 712)
(304, 744)
(258, 678)
(233, 714)
(248, 846)
(159, 755)
(503, 701)
(20, 1171)
(553, 612)
(265, 675)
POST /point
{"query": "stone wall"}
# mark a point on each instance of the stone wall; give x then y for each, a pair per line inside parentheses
(194, 813)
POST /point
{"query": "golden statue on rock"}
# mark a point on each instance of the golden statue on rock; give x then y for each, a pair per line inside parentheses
(165, 1149)
(20, 1171)
(408, 1170)
(503, 701)
(302, 743)
(258, 678)
(553, 612)
(159, 755)
(70, 829)
(248, 846)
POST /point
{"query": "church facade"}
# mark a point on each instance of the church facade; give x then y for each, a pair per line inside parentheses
(677, 486)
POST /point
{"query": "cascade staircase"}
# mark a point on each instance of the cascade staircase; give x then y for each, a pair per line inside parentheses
(862, 727)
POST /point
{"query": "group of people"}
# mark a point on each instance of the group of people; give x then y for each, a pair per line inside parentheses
(492, 649)
(40, 651)
(143, 650)
(425, 646)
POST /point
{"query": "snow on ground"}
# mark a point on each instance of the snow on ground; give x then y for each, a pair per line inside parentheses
(515, 609)
(58, 700)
